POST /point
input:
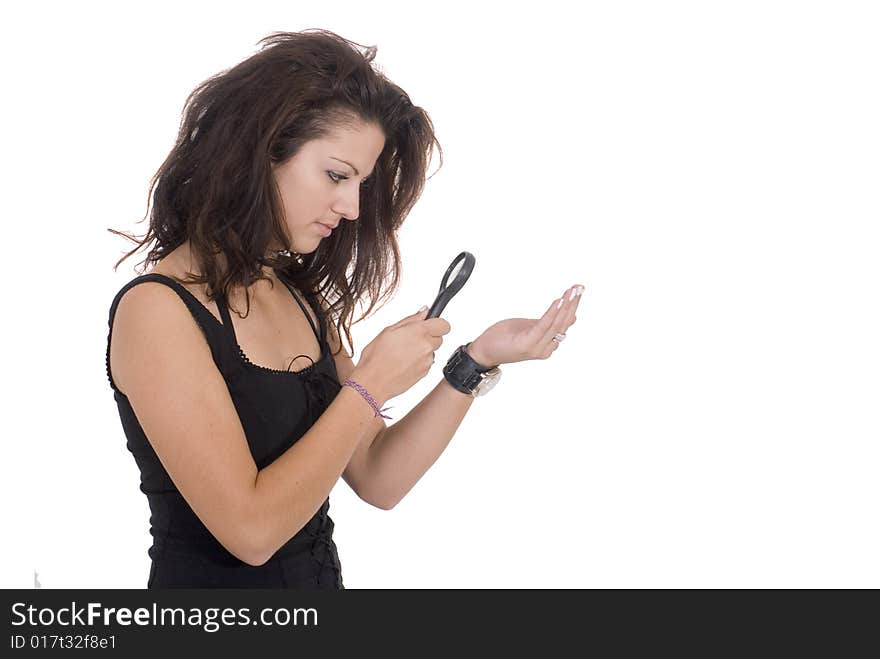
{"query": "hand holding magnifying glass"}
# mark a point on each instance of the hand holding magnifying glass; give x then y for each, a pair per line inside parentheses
(392, 362)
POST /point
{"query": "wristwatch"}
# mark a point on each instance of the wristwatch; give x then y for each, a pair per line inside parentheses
(469, 377)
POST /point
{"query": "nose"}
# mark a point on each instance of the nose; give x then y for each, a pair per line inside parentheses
(347, 204)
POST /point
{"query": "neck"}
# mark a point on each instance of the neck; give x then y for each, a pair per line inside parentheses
(188, 264)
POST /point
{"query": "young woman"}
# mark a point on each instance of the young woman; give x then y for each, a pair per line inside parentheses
(280, 202)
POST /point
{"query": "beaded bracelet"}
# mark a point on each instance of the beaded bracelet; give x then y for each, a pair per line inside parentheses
(372, 401)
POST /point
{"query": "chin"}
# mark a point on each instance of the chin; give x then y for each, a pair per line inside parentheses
(306, 248)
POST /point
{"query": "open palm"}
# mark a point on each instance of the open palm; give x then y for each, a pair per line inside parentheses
(520, 339)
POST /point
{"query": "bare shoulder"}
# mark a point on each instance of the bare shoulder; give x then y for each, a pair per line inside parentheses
(150, 317)
(161, 361)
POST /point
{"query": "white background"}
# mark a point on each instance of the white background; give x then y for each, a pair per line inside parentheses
(709, 171)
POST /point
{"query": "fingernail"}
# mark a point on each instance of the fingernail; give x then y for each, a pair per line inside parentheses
(424, 308)
(579, 290)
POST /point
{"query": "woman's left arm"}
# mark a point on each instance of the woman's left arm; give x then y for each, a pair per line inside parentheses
(404, 451)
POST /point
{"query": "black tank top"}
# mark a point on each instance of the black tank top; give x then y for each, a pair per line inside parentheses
(276, 408)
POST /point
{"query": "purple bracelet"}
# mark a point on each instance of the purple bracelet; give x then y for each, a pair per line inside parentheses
(372, 401)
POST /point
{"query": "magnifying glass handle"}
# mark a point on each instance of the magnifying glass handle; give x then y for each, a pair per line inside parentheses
(440, 303)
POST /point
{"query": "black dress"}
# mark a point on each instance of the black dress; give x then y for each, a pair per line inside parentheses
(276, 408)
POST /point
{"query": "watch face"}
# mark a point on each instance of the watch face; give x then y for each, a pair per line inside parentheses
(488, 382)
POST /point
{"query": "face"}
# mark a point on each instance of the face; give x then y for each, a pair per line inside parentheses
(322, 183)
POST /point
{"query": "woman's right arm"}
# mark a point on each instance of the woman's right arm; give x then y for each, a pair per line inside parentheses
(160, 360)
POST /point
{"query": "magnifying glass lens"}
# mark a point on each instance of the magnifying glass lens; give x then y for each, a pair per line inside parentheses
(454, 278)
(456, 270)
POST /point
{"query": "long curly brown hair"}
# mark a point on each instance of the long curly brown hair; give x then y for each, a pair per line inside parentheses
(216, 188)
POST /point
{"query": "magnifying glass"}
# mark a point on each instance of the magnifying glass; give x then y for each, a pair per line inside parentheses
(456, 275)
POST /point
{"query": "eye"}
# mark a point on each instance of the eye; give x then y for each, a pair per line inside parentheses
(338, 178)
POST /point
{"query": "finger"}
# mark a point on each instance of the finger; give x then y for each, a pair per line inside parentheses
(565, 320)
(438, 326)
(553, 327)
(546, 321)
(418, 315)
(547, 349)
(571, 307)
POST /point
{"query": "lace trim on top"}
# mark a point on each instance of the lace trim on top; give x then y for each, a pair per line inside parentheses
(223, 307)
(304, 371)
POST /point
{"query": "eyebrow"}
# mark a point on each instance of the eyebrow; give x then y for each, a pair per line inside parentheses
(356, 172)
